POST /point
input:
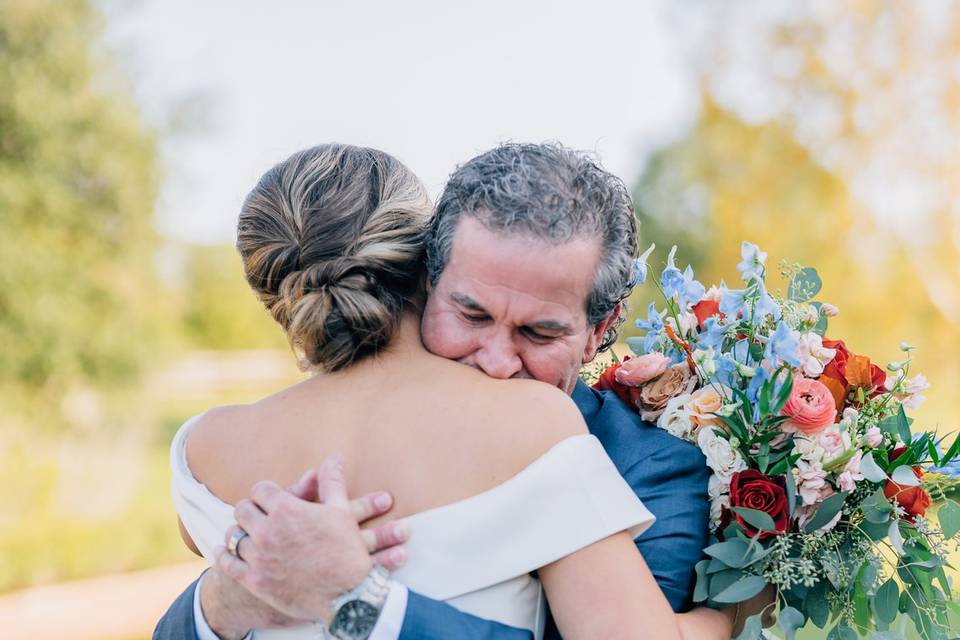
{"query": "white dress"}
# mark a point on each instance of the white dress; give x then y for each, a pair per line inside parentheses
(475, 554)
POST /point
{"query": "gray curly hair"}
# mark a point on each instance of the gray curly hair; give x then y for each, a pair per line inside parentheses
(552, 193)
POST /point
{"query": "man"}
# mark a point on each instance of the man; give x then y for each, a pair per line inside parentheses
(509, 224)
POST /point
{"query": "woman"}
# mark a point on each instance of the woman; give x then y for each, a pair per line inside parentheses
(489, 474)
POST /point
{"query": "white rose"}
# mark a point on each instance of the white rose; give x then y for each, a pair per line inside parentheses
(675, 418)
(721, 457)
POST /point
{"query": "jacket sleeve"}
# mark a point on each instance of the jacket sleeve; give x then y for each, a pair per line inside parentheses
(177, 623)
(428, 619)
(672, 482)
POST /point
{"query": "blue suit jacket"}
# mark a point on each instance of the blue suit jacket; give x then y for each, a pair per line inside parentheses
(668, 474)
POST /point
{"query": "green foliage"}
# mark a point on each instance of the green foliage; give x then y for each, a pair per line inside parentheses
(220, 311)
(79, 304)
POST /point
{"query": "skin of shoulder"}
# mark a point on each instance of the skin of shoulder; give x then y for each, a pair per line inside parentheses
(213, 445)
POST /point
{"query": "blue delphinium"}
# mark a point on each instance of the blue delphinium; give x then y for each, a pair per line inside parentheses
(784, 346)
(680, 285)
(653, 325)
(640, 267)
(752, 265)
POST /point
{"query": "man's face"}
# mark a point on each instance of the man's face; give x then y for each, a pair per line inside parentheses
(514, 307)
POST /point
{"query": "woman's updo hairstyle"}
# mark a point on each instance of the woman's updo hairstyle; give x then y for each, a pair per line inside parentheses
(332, 243)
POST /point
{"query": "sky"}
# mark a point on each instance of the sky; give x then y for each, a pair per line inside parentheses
(239, 85)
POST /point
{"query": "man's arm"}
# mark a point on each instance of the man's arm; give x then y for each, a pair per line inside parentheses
(177, 623)
(672, 482)
(427, 619)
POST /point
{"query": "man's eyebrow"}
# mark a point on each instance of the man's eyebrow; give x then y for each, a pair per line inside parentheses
(467, 302)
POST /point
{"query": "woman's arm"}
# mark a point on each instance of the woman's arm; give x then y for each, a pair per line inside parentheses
(605, 591)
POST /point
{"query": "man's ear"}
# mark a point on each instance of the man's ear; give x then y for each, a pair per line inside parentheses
(598, 331)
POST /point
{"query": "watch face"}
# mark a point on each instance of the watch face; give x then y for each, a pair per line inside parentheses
(355, 619)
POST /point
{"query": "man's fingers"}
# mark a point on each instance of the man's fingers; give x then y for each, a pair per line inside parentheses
(331, 485)
(230, 565)
(248, 516)
(392, 559)
(371, 506)
(267, 495)
(242, 544)
(306, 487)
(385, 536)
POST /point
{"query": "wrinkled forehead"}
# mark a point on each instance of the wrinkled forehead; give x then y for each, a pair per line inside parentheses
(503, 268)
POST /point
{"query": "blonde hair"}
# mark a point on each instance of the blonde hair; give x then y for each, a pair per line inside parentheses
(332, 243)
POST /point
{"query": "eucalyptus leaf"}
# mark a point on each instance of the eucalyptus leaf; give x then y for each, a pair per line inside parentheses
(895, 538)
(886, 635)
(816, 605)
(743, 589)
(842, 632)
(905, 477)
(886, 601)
(756, 519)
(789, 620)
(732, 552)
(871, 470)
(889, 425)
(720, 581)
(826, 512)
(949, 515)
(700, 592)
(752, 629)
(805, 285)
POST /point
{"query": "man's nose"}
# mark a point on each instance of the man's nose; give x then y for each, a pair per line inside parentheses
(498, 356)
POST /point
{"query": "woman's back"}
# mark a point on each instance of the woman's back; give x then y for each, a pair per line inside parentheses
(428, 430)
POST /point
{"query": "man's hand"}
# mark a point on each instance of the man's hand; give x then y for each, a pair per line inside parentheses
(299, 556)
(231, 610)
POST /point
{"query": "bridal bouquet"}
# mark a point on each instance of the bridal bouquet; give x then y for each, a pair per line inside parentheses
(818, 484)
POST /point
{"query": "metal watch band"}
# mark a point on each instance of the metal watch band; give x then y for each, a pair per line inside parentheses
(356, 612)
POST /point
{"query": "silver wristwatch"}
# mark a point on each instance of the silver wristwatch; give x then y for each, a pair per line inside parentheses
(356, 612)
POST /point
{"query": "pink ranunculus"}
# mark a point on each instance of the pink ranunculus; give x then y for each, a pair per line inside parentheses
(874, 437)
(636, 371)
(810, 407)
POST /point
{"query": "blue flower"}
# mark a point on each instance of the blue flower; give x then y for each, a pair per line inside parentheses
(640, 267)
(726, 368)
(756, 382)
(680, 285)
(733, 302)
(765, 306)
(752, 265)
(783, 345)
(712, 335)
(653, 323)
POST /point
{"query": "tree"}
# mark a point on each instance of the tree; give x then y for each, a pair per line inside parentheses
(79, 304)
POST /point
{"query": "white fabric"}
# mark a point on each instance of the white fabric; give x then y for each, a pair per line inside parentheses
(476, 554)
(391, 617)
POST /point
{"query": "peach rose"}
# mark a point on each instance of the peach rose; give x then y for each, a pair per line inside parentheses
(655, 394)
(702, 404)
(636, 371)
(810, 407)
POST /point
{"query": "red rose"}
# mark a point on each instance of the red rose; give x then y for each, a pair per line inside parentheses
(608, 382)
(837, 367)
(753, 490)
(705, 309)
(914, 500)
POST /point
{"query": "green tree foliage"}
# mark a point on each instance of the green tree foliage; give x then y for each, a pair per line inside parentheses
(219, 309)
(78, 180)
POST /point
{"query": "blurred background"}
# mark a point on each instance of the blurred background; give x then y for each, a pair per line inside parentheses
(826, 132)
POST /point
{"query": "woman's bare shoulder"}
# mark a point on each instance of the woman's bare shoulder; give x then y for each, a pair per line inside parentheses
(528, 417)
(216, 447)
